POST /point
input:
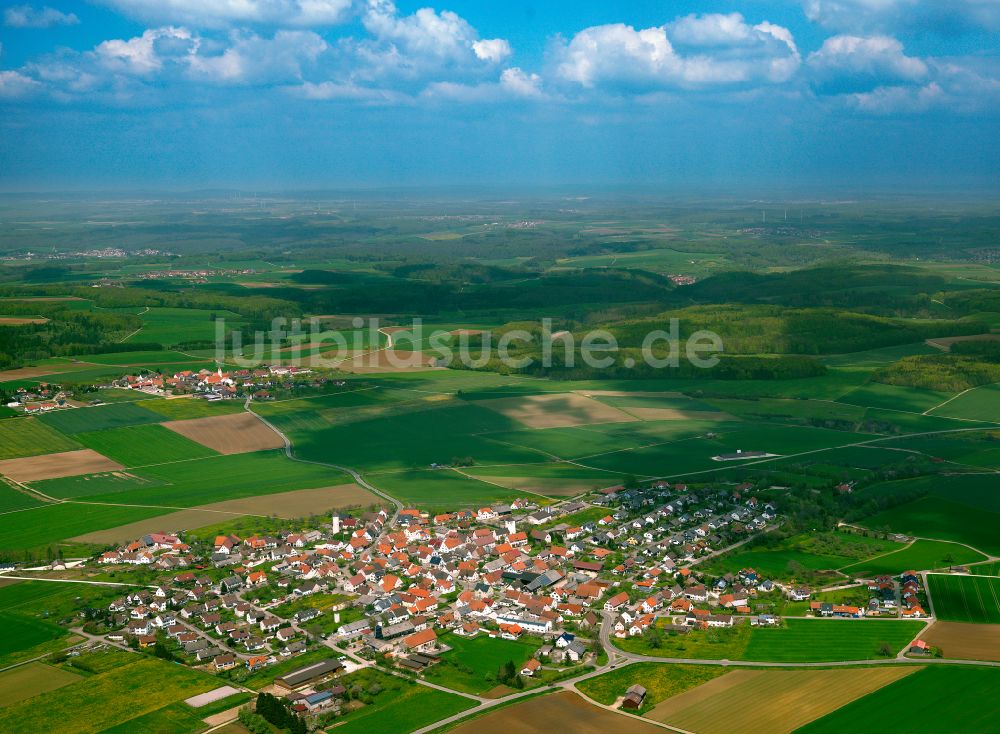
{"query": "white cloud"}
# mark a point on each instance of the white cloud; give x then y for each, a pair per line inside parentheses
(25, 16)
(253, 59)
(424, 44)
(898, 99)
(927, 15)
(694, 51)
(492, 49)
(223, 13)
(520, 83)
(14, 85)
(139, 55)
(869, 61)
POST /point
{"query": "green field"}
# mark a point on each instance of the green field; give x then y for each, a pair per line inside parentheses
(920, 556)
(797, 640)
(170, 326)
(143, 445)
(52, 523)
(31, 437)
(471, 664)
(11, 499)
(441, 489)
(164, 357)
(400, 707)
(114, 415)
(965, 598)
(894, 397)
(820, 551)
(24, 637)
(959, 508)
(953, 698)
(802, 640)
(198, 482)
(660, 681)
(109, 699)
(32, 679)
(981, 404)
(187, 408)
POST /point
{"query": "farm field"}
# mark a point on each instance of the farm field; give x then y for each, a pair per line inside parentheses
(113, 415)
(555, 712)
(32, 679)
(401, 708)
(129, 359)
(237, 433)
(796, 641)
(143, 445)
(921, 555)
(295, 504)
(556, 410)
(441, 489)
(815, 552)
(803, 640)
(894, 397)
(50, 524)
(26, 637)
(660, 681)
(12, 500)
(965, 598)
(199, 481)
(965, 640)
(31, 437)
(179, 409)
(952, 698)
(980, 404)
(471, 664)
(552, 480)
(110, 698)
(771, 701)
(171, 326)
(55, 466)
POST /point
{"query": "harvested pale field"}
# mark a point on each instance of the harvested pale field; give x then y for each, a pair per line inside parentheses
(387, 360)
(771, 701)
(20, 320)
(965, 640)
(300, 503)
(236, 433)
(466, 332)
(944, 343)
(553, 487)
(557, 712)
(673, 414)
(30, 373)
(627, 394)
(54, 466)
(203, 699)
(556, 410)
(30, 680)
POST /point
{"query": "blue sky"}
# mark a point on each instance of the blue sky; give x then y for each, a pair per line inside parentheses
(278, 94)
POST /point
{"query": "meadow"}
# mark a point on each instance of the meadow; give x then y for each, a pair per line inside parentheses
(471, 664)
(441, 489)
(932, 517)
(965, 598)
(660, 681)
(109, 699)
(11, 499)
(399, 706)
(921, 555)
(952, 698)
(30, 680)
(980, 404)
